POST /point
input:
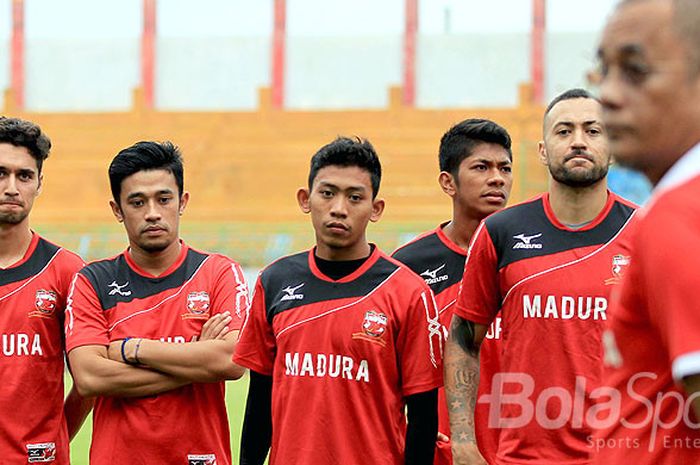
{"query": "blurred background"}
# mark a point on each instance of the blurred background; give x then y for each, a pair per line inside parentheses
(249, 90)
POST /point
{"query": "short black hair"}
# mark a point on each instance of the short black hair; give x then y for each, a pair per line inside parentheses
(570, 95)
(145, 156)
(22, 133)
(348, 151)
(461, 139)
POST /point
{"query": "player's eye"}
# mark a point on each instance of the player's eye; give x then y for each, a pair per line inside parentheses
(136, 203)
(165, 200)
(25, 176)
(563, 132)
(507, 169)
(635, 72)
(355, 197)
(480, 167)
(327, 193)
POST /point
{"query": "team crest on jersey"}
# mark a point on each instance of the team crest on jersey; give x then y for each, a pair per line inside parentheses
(206, 459)
(373, 327)
(197, 305)
(41, 453)
(44, 304)
(619, 266)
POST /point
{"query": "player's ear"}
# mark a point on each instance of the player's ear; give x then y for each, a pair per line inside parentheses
(41, 182)
(447, 183)
(377, 210)
(303, 199)
(542, 151)
(116, 211)
(184, 198)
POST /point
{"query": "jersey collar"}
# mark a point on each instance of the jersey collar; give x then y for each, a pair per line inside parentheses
(371, 260)
(685, 169)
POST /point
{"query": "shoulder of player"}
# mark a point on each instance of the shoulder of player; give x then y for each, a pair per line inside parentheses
(65, 260)
(514, 215)
(402, 272)
(678, 206)
(216, 260)
(285, 266)
(417, 243)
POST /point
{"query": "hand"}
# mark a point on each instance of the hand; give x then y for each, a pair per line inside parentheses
(442, 437)
(466, 453)
(216, 327)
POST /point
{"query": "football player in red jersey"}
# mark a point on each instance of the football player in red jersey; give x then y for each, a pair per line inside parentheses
(142, 330)
(649, 79)
(340, 339)
(548, 265)
(475, 171)
(36, 424)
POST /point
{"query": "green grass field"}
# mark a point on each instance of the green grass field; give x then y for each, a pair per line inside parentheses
(236, 392)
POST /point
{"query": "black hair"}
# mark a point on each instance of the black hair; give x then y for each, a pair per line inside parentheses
(22, 133)
(461, 139)
(570, 95)
(145, 156)
(347, 151)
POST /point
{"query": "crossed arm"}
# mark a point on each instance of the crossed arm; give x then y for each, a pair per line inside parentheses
(461, 364)
(162, 366)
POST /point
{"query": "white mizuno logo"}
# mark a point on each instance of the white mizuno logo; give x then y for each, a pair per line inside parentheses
(117, 289)
(291, 293)
(431, 276)
(525, 241)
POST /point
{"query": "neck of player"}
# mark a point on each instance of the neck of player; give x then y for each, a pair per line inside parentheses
(577, 205)
(14, 242)
(359, 250)
(461, 229)
(155, 263)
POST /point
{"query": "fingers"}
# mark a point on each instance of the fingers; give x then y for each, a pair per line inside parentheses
(442, 437)
(216, 327)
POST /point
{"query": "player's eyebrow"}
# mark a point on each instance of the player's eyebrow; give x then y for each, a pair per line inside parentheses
(486, 161)
(143, 194)
(624, 51)
(348, 188)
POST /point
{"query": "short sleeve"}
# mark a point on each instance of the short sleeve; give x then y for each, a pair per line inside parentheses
(479, 294)
(419, 344)
(85, 323)
(257, 346)
(231, 294)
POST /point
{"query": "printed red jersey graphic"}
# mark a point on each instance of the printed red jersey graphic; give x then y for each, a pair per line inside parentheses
(440, 262)
(187, 421)
(549, 283)
(33, 294)
(343, 357)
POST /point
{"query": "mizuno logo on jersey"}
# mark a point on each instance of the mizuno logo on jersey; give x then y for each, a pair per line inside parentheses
(117, 289)
(290, 293)
(525, 242)
(431, 276)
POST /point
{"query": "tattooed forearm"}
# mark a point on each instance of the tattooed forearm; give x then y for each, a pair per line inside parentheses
(461, 364)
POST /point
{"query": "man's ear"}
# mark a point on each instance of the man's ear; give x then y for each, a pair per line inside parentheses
(542, 152)
(377, 210)
(447, 183)
(303, 199)
(183, 202)
(41, 182)
(116, 211)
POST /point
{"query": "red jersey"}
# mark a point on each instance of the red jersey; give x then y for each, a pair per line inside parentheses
(343, 356)
(653, 340)
(32, 298)
(551, 284)
(113, 299)
(440, 262)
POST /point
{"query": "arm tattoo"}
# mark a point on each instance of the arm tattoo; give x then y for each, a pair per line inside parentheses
(461, 364)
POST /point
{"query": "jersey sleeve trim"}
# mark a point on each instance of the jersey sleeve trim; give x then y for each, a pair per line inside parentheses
(686, 365)
(251, 365)
(409, 390)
